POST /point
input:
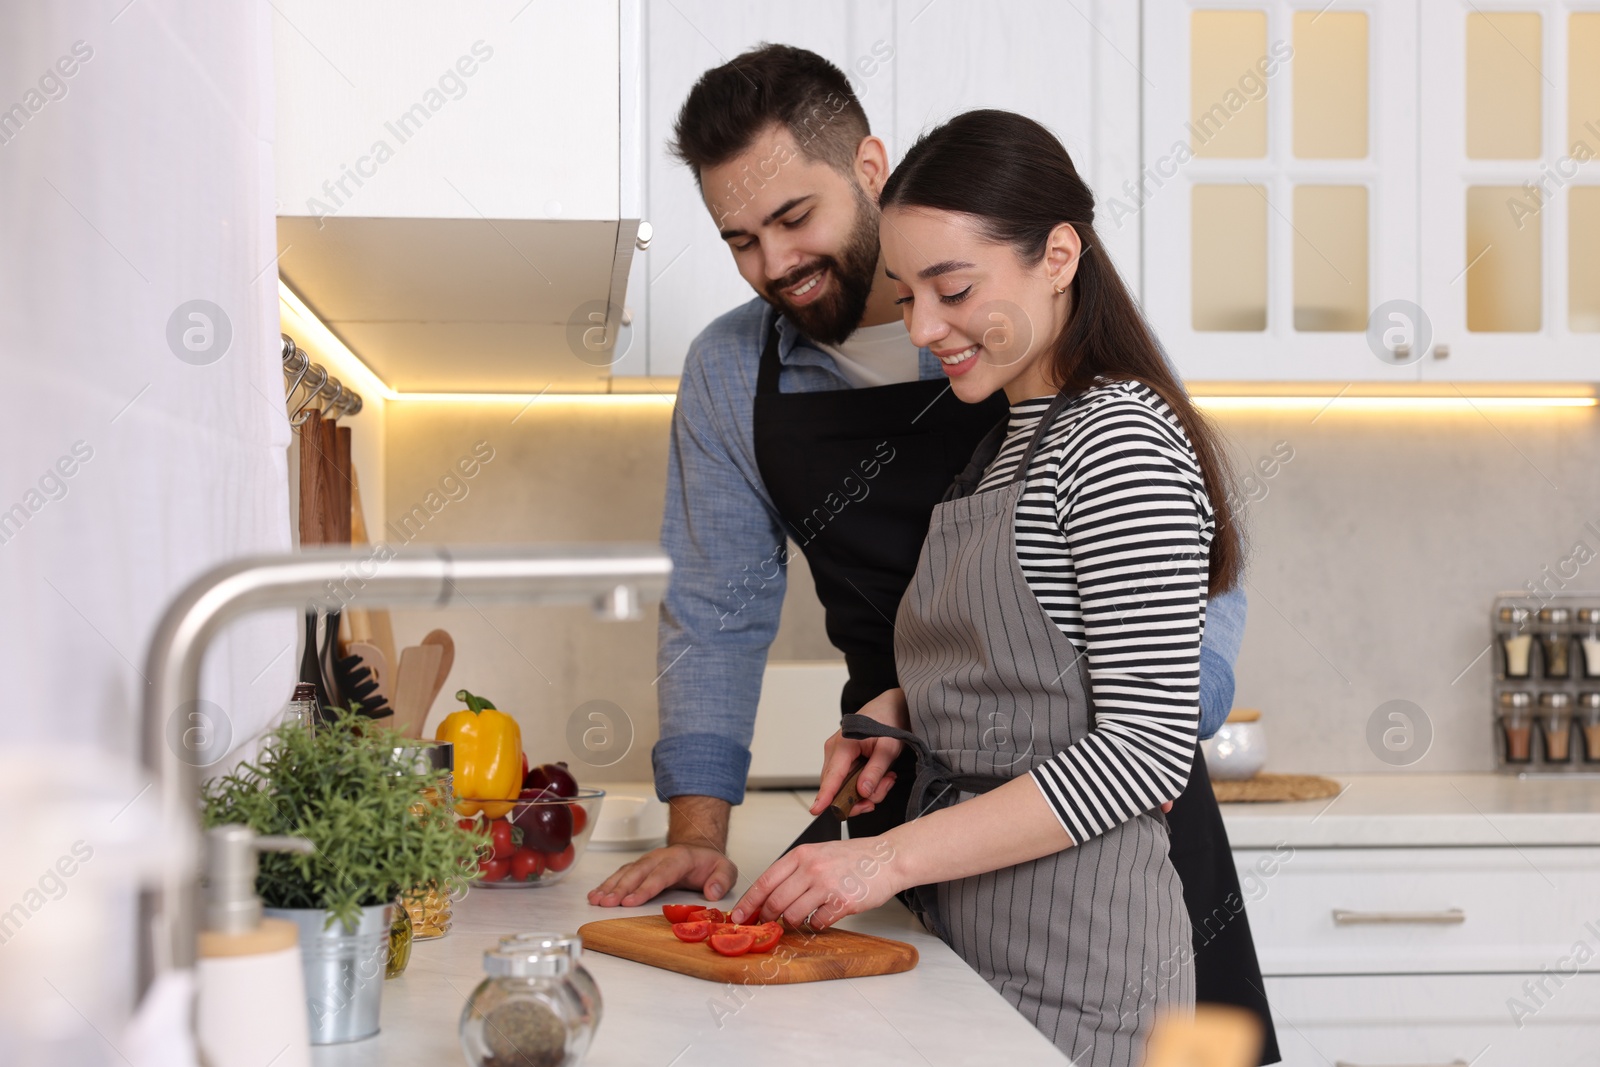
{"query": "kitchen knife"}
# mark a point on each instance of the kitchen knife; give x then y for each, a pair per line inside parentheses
(829, 826)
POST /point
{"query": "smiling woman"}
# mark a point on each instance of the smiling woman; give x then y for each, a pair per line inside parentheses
(1049, 742)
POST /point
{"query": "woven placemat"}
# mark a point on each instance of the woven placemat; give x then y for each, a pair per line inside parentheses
(1265, 787)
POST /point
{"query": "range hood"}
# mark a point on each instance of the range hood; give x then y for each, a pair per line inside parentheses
(458, 185)
(436, 305)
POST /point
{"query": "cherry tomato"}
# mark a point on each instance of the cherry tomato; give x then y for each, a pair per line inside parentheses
(492, 870)
(715, 915)
(560, 861)
(500, 834)
(580, 819)
(475, 825)
(526, 865)
(766, 936)
(732, 944)
(691, 932)
(679, 913)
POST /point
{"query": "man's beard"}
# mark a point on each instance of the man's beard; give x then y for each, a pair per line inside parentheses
(833, 316)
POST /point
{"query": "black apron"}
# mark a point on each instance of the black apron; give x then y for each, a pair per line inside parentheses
(855, 475)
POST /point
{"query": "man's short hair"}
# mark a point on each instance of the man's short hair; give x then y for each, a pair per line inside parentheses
(772, 83)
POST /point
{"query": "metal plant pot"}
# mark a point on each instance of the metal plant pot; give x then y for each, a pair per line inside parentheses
(344, 970)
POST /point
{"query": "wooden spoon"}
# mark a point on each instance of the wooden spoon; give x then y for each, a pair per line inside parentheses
(447, 659)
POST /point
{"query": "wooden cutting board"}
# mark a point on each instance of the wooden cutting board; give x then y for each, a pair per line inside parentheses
(798, 957)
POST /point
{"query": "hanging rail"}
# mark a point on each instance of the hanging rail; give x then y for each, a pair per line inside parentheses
(315, 386)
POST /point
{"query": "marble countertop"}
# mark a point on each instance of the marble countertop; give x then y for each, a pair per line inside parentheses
(1428, 810)
(941, 1012)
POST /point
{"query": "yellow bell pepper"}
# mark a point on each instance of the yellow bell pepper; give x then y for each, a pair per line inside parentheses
(488, 755)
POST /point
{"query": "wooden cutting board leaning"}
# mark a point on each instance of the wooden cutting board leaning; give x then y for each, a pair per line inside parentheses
(798, 957)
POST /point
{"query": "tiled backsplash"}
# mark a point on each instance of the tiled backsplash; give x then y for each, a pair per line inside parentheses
(1374, 543)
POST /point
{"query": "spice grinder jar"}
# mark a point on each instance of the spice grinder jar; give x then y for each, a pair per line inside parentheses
(1516, 725)
(1555, 641)
(1514, 635)
(1588, 717)
(1589, 640)
(1555, 726)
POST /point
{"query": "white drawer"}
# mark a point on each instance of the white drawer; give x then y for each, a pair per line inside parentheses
(1435, 1021)
(1460, 910)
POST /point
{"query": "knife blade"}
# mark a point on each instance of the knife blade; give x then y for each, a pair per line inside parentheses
(829, 826)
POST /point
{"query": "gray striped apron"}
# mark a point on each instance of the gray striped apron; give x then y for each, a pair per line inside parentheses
(1090, 943)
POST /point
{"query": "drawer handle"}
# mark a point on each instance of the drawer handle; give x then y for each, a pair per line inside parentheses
(1448, 917)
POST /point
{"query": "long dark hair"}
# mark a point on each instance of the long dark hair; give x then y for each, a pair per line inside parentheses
(1011, 175)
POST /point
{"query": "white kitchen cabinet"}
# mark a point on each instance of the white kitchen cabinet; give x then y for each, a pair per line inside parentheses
(453, 195)
(464, 111)
(1409, 1020)
(1279, 189)
(1383, 161)
(1427, 920)
(912, 66)
(1434, 910)
(1510, 223)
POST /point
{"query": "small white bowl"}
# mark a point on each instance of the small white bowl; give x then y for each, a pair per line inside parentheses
(630, 824)
(1238, 750)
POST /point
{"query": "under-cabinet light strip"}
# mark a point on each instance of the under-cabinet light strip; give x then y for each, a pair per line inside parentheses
(373, 384)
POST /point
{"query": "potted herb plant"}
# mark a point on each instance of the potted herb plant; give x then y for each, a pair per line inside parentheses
(376, 834)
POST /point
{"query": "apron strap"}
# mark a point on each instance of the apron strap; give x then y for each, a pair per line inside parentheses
(767, 375)
(1062, 399)
(932, 776)
(983, 456)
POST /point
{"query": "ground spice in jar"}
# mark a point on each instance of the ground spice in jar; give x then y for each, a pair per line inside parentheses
(1589, 708)
(1556, 641)
(1516, 722)
(1555, 720)
(1516, 643)
(524, 1033)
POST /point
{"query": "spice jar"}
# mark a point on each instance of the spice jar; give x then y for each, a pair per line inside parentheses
(532, 1009)
(428, 905)
(1515, 640)
(1555, 641)
(1555, 723)
(1516, 724)
(1589, 640)
(1589, 719)
(581, 978)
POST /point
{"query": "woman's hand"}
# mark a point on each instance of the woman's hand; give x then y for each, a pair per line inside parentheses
(839, 754)
(817, 885)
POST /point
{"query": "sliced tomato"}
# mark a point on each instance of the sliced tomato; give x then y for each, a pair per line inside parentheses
(713, 915)
(691, 932)
(680, 913)
(734, 943)
(766, 936)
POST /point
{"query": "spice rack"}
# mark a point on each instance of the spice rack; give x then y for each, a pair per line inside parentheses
(1545, 700)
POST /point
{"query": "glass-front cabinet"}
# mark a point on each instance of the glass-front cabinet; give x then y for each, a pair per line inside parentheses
(1381, 191)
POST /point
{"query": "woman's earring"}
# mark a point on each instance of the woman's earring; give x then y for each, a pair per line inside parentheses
(1061, 291)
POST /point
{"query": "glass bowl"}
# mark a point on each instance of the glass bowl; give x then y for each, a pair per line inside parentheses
(548, 834)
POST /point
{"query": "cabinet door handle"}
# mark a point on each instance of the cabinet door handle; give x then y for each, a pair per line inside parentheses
(1449, 916)
(1452, 1063)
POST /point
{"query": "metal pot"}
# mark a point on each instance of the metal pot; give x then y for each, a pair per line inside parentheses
(344, 970)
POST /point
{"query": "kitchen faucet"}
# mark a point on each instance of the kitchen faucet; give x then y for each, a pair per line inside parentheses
(613, 578)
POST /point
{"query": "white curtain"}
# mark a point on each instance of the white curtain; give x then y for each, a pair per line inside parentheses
(135, 452)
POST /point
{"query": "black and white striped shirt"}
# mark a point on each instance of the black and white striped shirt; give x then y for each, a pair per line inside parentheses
(1113, 532)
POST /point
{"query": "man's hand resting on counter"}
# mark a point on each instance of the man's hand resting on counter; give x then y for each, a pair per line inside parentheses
(695, 857)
